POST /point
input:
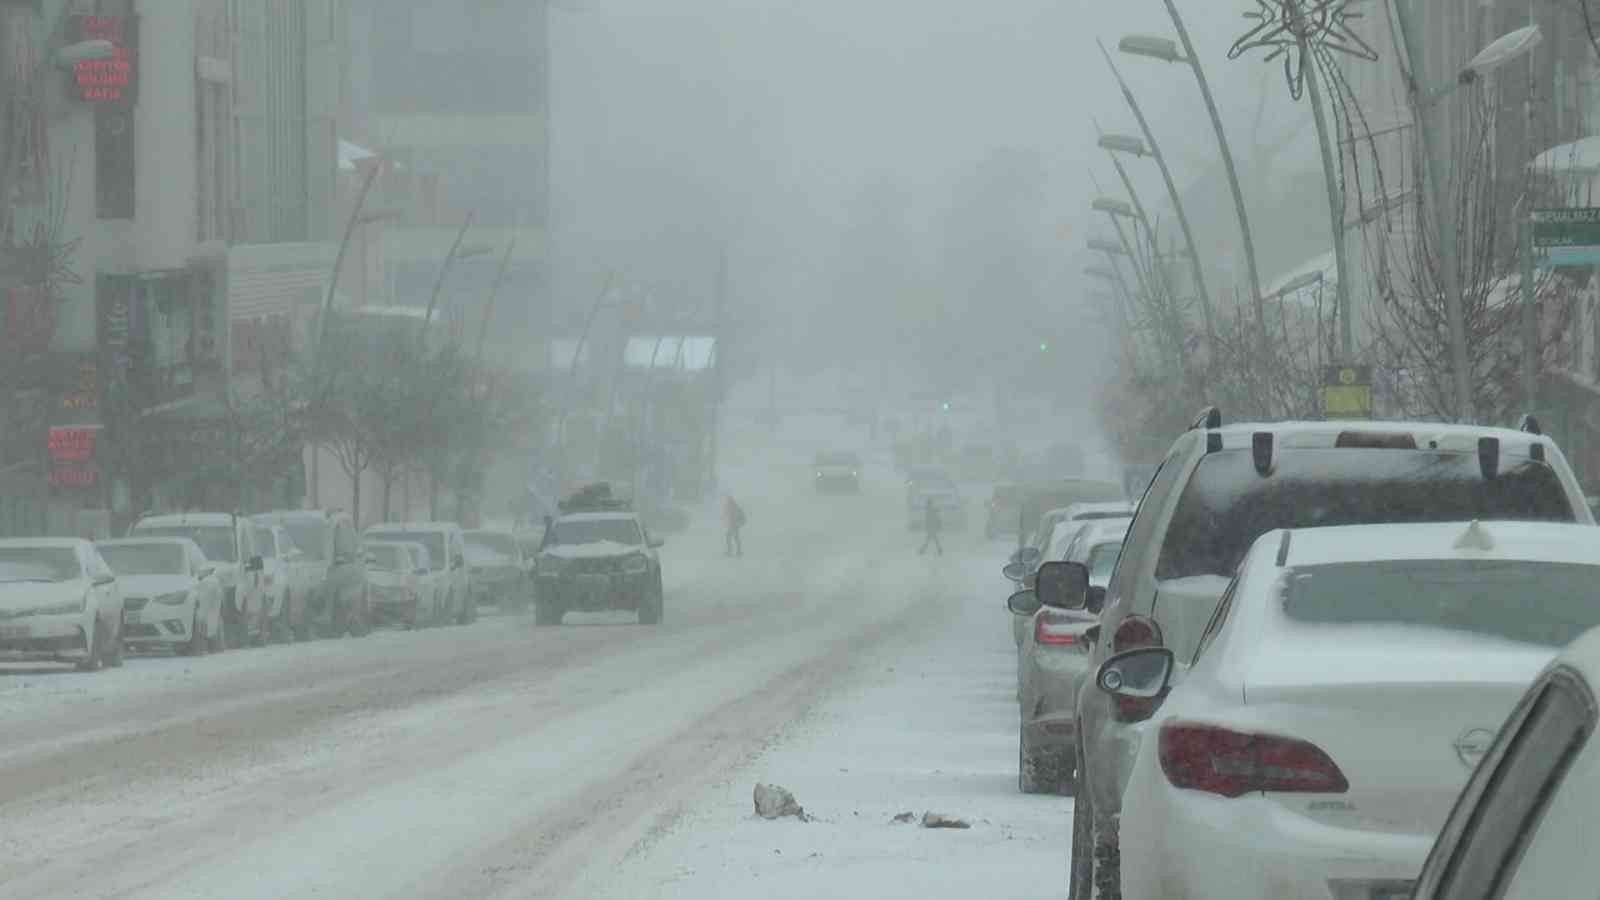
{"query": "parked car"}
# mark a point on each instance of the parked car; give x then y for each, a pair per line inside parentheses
(1338, 700)
(447, 561)
(1004, 516)
(1040, 497)
(601, 560)
(395, 571)
(229, 542)
(838, 473)
(933, 483)
(333, 568)
(279, 579)
(1523, 827)
(1221, 488)
(1057, 530)
(59, 602)
(171, 597)
(1053, 663)
(498, 574)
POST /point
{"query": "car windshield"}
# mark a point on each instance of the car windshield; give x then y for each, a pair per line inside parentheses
(144, 559)
(215, 541)
(22, 564)
(1541, 603)
(1227, 505)
(593, 531)
(841, 460)
(310, 535)
(1102, 559)
(433, 540)
(486, 549)
(387, 557)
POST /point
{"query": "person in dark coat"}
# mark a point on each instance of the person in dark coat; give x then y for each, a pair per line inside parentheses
(733, 518)
(931, 524)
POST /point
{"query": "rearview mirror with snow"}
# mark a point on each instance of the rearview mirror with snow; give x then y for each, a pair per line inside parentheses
(1023, 603)
(1015, 571)
(1141, 674)
(1062, 585)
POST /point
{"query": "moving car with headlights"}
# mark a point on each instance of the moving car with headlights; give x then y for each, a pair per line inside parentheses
(171, 598)
(838, 473)
(332, 568)
(1219, 489)
(594, 561)
(1053, 663)
(499, 576)
(229, 542)
(59, 602)
(395, 571)
(1524, 827)
(1339, 698)
(447, 563)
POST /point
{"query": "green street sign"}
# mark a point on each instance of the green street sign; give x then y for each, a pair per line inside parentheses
(1566, 237)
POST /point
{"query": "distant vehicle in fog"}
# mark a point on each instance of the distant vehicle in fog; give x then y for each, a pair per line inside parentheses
(597, 561)
(396, 571)
(499, 577)
(933, 483)
(171, 596)
(447, 561)
(838, 473)
(229, 542)
(333, 568)
(59, 602)
(1338, 700)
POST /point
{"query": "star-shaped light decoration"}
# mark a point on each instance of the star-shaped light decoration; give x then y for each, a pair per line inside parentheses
(1296, 29)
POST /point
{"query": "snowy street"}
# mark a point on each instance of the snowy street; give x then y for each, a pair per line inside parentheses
(598, 759)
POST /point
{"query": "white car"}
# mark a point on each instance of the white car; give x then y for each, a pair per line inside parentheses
(1524, 827)
(403, 587)
(447, 563)
(59, 602)
(286, 580)
(171, 597)
(1348, 682)
(1058, 529)
(229, 542)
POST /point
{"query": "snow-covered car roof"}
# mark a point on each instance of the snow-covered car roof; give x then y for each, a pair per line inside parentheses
(1426, 435)
(1098, 509)
(209, 519)
(1530, 541)
(597, 517)
(1104, 531)
(42, 543)
(384, 527)
(146, 541)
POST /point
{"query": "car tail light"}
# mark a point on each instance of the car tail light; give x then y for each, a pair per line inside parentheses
(1230, 763)
(1056, 631)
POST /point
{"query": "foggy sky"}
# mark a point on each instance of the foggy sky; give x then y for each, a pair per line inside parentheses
(676, 123)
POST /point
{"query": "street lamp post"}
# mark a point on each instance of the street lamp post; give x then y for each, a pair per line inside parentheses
(1172, 191)
(1115, 144)
(1424, 109)
(1163, 49)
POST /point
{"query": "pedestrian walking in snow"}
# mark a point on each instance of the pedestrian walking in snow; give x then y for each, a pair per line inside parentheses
(930, 526)
(733, 518)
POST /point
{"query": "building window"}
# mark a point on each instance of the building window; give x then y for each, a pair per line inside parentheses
(113, 163)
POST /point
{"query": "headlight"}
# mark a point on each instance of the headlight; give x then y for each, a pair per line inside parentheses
(635, 565)
(176, 598)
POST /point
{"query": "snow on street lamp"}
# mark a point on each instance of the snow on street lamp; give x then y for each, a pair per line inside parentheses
(1123, 143)
(1114, 207)
(1100, 272)
(1103, 245)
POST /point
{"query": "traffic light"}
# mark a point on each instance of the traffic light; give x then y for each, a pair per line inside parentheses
(946, 406)
(1044, 346)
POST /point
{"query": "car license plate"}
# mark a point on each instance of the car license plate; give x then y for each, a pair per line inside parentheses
(13, 631)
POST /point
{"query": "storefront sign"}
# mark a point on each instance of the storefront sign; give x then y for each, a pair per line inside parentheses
(1566, 237)
(84, 393)
(1347, 392)
(72, 456)
(114, 80)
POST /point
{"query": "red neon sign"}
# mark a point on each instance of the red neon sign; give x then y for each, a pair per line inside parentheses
(114, 80)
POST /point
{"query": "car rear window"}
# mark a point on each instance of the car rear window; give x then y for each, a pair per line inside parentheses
(1542, 603)
(1227, 505)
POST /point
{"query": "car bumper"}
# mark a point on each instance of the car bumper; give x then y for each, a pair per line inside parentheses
(844, 483)
(158, 624)
(594, 592)
(1049, 696)
(53, 637)
(1191, 844)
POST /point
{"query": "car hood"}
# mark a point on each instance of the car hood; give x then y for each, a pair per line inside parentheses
(596, 550)
(153, 585)
(21, 598)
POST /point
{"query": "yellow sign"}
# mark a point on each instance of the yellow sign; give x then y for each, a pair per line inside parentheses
(1347, 392)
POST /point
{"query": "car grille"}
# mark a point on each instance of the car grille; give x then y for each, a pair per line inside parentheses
(134, 604)
(594, 566)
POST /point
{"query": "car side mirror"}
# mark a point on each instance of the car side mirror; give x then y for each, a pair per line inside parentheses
(256, 564)
(1030, 556)
(1140, 674)
(1063, 585)
(205, 572)
(657, 543)
(1015, 571)
(1023, 603)
(1095, 601)
(103, 580)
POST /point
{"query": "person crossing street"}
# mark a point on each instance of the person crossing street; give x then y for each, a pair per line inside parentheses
(733, 518)
(931, 524)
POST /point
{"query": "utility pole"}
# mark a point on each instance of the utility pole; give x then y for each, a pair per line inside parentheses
(719, 357)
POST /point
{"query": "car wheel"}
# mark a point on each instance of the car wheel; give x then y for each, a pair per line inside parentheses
(1080, 877)
(457, 616)
(263, 628)
(1107, 848)
(1039, 771)
(114, 650)
(97, 643)
(217, 640)
(196, 645)
(302, 628)
(651, 609)
(282, 629)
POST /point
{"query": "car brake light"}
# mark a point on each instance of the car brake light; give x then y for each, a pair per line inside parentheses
(1048, 629)
(1375, 440)
(1230, 763)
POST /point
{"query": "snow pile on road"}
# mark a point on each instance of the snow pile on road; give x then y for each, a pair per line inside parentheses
(773, 802)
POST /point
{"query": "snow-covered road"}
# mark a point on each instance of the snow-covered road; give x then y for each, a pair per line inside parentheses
(595, 759)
